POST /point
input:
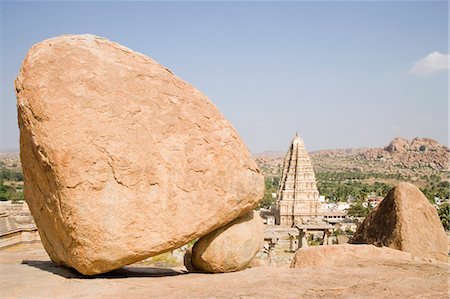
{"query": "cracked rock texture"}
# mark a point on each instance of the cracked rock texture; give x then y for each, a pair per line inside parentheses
(348, 255)
(229, 248)
(405, 220)
(122, 159)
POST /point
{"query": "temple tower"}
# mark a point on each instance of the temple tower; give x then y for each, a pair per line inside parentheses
(297, 196)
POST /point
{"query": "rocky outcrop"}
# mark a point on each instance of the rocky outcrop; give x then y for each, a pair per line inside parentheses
(413, 160)
(122, 159)
(414, 153)
(406, 221)
(397, 144)
(417, 144)
(230, 248)
(347, 255)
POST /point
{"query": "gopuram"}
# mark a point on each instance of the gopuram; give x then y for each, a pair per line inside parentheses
(297, 196)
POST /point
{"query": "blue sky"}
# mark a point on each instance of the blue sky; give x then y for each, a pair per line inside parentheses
(342, 74)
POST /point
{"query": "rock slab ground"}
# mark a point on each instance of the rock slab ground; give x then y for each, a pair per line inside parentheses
(405, 220)
(347, 255)
(28, 273)
(122, 159)
(231, 247)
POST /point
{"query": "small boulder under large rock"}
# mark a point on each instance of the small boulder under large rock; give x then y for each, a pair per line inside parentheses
(122, 159)
(405, 220)
(347, 255)
(229, 248)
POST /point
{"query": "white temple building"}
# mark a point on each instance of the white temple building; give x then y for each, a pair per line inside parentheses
(297, 197)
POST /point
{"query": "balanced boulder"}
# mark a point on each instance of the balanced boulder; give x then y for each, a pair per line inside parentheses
(405, 220)
(347, 255)
(229, 248)
(122, 159)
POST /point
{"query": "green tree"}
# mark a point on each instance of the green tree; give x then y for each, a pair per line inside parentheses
(444, 215)
(267, 200)
(270, 186)
(6, 192)
(429, 194)
(358, 210)
(443, 190)
(11, 174)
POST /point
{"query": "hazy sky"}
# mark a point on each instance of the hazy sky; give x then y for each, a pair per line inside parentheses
(342, 74)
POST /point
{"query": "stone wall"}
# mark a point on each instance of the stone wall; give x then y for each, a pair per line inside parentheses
(16, 225)
(19, 237)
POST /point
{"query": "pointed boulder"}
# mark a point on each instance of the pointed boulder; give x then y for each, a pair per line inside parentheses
(405, 220)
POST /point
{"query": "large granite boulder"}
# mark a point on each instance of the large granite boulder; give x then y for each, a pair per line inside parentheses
(347, 255)
(405, 220)
(122, 159)
(229, 248)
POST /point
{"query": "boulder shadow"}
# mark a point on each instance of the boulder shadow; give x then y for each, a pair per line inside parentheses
(125, 272)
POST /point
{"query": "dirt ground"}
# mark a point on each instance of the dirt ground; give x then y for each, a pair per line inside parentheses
(27, 272)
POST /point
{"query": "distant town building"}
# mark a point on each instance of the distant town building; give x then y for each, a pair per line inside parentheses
(374, 200)
(297, 197)
(334, 216)
(334, 206)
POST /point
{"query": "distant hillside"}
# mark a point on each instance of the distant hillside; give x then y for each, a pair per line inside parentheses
(273, 154)
(10, 159)
(413, 160)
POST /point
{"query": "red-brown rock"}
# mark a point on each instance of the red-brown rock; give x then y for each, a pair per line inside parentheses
(406, 221)
(122, 159)
(229, 248)
(347, 255)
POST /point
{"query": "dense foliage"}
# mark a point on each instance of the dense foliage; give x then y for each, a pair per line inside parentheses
(8, 189)
(358, 209)
(339, 186)
(271, 186)
(444, 215)
(11, 174)
(9, 192)
(344, 185)
(439, 189)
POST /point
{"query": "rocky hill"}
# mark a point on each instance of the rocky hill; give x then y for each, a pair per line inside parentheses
(413, 160)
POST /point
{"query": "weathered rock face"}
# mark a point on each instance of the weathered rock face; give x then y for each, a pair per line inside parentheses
(417, 144)
(405, 220)
(347, 255)
(229, 248)
(122, 159)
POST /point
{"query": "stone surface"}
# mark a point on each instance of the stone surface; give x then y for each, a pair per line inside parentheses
(122, 159)
(29, 271)
(230, 248)
(405, 220)
(347, 255)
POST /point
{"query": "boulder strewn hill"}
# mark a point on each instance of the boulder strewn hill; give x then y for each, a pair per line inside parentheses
(413, 160)
(418, 152)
